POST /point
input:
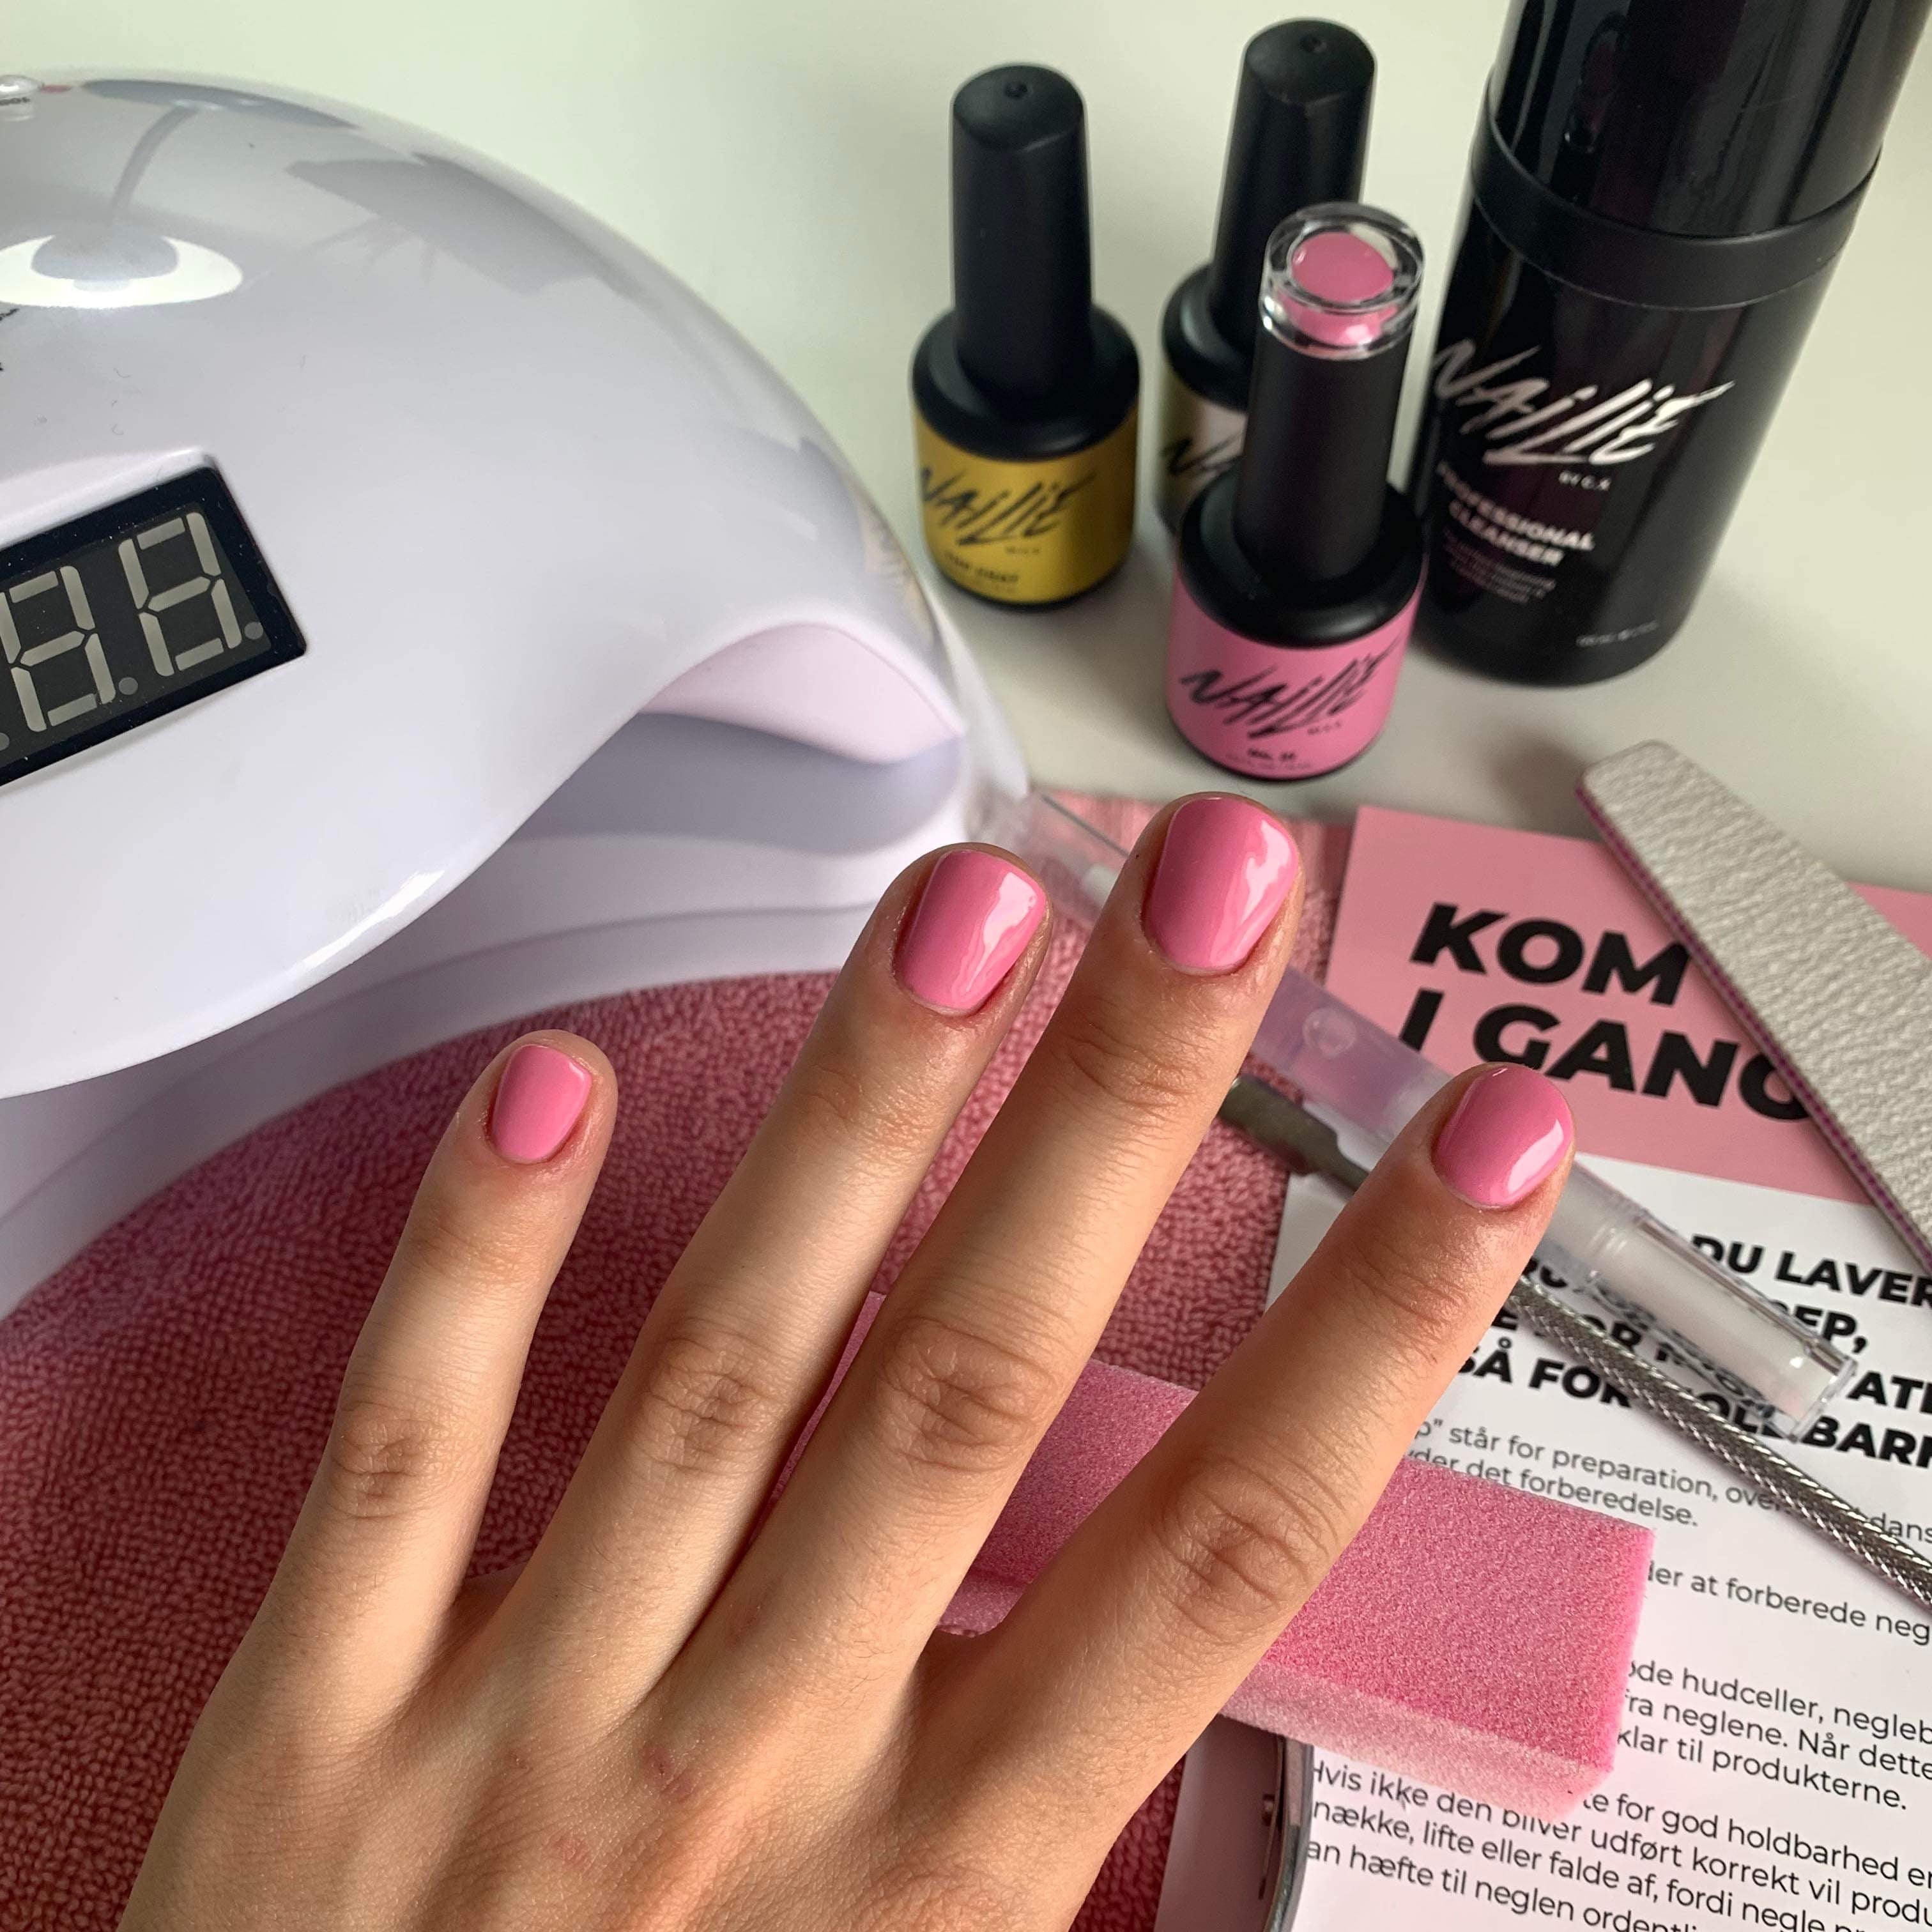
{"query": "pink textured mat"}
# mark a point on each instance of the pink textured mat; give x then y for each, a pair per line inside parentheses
(164, 1399)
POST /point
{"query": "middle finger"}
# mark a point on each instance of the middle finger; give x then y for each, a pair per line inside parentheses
(1002, 1304)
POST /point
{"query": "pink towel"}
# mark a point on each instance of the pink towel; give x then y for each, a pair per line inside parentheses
(164, 1398)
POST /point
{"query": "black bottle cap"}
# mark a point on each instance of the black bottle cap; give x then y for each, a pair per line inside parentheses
(1300, 131)
(1729, 118)
(1022, 289)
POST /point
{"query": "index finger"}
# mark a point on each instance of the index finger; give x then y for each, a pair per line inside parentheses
(1206, 1551)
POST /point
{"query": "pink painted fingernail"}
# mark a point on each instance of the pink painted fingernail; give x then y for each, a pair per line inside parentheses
(1224, 871)
(540, 1098)
(1509, 1131)
(972, 921)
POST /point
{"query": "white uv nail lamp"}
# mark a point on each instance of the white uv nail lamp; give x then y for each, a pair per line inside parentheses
(417, 609)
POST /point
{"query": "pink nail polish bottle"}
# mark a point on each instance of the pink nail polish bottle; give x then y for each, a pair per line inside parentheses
(1295, 587)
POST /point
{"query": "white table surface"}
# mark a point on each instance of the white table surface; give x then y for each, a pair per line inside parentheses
(790, 161)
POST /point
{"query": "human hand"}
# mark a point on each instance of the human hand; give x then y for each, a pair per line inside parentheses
(686, 1711)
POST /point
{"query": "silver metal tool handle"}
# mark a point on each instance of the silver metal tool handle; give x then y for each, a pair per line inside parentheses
(1793, 1490)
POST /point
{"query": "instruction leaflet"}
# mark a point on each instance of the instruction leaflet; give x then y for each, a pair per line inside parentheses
(1775, 1767)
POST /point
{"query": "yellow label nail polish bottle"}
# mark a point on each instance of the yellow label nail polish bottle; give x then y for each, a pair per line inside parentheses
(1025, 394)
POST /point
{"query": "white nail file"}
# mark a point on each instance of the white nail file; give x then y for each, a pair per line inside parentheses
(1840, 1001)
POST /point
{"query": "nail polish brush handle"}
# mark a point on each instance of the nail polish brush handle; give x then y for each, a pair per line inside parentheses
(1367, 1085)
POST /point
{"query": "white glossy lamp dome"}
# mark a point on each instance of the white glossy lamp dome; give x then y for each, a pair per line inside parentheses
(572, 578)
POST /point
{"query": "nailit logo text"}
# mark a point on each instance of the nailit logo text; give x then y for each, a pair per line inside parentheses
(1264, 707)
(1522, 424)
(1187, 461)
(970, 516)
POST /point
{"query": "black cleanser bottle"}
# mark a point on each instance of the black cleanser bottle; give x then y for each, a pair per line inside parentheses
(1657, 192)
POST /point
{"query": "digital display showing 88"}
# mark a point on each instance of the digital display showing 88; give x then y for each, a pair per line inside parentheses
(130, 612)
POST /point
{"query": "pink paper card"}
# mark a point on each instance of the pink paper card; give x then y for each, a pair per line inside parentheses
(1474, 942)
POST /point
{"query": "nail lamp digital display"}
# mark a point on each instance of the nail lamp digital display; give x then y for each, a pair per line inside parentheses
(121, 616)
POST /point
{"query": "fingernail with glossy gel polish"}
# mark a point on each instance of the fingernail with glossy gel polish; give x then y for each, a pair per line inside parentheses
(1509, 1131)
(972, 921)
(540, 1098)
(1225, 869)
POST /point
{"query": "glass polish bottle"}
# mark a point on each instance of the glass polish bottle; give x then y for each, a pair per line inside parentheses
(1296, 580)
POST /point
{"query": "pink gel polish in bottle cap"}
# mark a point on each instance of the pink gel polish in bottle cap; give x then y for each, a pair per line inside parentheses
(1295, 587)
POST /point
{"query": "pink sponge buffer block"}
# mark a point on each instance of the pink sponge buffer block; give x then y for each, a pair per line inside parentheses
(1472, 1636)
